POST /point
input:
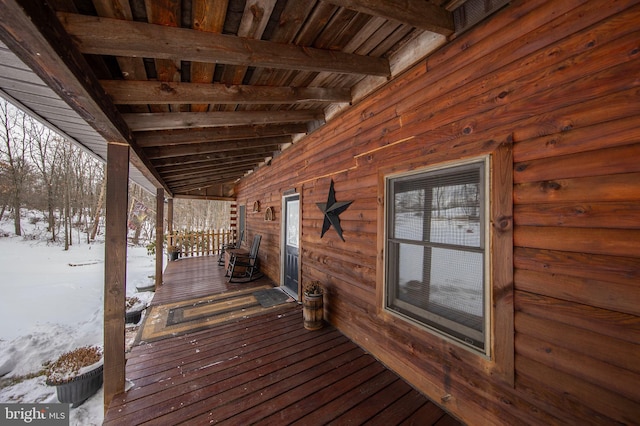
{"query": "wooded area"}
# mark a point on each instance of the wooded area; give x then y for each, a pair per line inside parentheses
(41, 170)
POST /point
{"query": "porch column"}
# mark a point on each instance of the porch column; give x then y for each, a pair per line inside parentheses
(115, 269)
(159, 235)
(169, 220)
(170, 216)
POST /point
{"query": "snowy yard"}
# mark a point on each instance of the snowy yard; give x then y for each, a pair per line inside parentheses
(52, 302)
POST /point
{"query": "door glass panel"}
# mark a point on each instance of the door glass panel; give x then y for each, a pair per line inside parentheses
(293, 213)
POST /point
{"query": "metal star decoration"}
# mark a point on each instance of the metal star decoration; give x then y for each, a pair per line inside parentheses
(332, 210)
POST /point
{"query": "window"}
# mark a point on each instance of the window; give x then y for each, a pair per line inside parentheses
(437, 260)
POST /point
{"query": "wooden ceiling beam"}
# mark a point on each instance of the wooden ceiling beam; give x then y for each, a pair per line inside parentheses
(193, 186)
(105, 36)
(157, 92)
(210, 171)
(215, 192)
(186, 120)
(212, 134)
(239, 155)
(416, 13)
(205, 166)
(211, 174)
(165, 166)
(209, 147)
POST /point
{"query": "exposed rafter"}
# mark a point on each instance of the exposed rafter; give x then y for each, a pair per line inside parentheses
(185, 120)
(226, 133)
(257, 154)
(417, 13)
(103, 36)
(154, 92)
(208, 147)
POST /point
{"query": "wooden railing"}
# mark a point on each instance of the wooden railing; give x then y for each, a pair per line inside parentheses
(200, 243)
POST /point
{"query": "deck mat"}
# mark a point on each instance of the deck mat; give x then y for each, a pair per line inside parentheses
(272, 297)
(174, 319)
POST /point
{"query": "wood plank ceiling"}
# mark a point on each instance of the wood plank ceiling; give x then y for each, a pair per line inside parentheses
(208, 90)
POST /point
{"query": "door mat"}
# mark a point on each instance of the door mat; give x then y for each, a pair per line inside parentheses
(272, 297)
(174, 319)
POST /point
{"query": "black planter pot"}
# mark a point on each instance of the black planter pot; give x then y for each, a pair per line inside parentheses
(150, 287)
(80, 388)
(133, 317)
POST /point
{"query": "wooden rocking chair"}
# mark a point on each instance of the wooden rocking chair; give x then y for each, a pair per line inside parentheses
(247, 264)
(226, 247)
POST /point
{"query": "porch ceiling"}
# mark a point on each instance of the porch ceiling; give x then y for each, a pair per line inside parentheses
(207, 91)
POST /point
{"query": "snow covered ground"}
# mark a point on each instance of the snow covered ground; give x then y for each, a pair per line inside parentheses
(52, 302)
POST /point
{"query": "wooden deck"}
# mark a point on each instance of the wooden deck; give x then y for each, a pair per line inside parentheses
(193, 277)
(266, 369)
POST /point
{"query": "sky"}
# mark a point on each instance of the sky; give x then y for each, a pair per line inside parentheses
(52, 302)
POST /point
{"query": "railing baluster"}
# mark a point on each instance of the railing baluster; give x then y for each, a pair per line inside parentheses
(201, 243)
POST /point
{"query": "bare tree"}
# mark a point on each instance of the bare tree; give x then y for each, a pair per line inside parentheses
(14, 146)
(97, 211)
(40, 169)
(45, 154)
(193, 215)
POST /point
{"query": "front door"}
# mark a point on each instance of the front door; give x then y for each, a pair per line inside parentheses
(291, 243)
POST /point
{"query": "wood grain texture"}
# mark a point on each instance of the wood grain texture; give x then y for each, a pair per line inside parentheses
(559, 87)
(115, 270)
(91, 33)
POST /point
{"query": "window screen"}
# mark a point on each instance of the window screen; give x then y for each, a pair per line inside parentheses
(435, 250)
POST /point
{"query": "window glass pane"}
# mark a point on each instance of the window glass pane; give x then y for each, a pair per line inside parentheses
(293, 211)
(456, 216)
(411, 267)
(409, 215)
(456, 282)
(435, 278)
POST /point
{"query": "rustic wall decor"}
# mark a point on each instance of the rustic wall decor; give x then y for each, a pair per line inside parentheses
(332, 210)
(269, 214)
(256, 206)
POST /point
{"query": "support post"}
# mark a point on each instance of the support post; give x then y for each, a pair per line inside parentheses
(159, 235)
(170, 218)
(115, 270)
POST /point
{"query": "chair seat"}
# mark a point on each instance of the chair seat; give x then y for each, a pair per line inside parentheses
(229, 246)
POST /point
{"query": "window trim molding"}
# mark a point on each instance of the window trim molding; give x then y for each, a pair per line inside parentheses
(499, 364)
(446, 169)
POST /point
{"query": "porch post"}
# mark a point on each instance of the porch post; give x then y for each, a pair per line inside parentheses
(169, 219)
(170, 216)
(115, 269)
(159, 235)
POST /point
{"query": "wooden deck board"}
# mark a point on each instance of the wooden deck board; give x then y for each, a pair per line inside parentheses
(194, 277)
(264, 369)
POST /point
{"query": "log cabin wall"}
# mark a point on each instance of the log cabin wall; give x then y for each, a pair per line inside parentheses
(560, 81)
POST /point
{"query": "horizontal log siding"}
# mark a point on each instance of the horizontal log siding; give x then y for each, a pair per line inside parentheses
(559, 80)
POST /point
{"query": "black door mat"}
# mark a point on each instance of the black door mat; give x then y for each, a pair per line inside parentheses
(272, 297)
